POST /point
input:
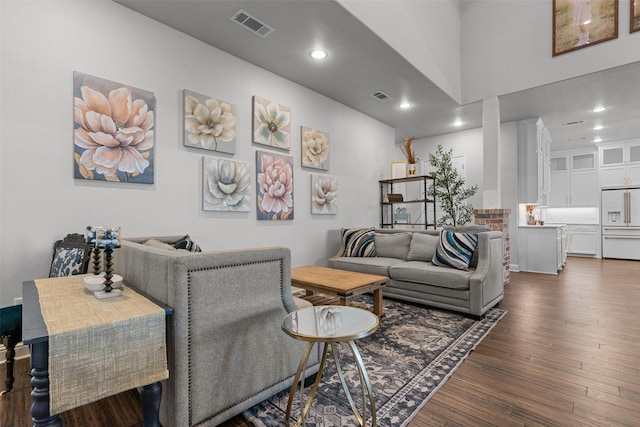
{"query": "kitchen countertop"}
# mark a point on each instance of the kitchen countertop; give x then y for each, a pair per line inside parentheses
(543, 226)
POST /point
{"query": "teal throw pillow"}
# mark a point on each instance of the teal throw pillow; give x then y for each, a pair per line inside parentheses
(455, 249)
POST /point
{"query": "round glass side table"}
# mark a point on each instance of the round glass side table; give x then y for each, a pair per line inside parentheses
(331, 324)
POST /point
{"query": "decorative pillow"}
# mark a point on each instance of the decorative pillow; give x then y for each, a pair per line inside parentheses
(155, 243)
(67, 262)
(422, 247)
(455, 249)
(188, 244)
(358, 242)
(394, 245)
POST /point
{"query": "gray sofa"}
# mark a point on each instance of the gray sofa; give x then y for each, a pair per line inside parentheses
(406, 258)
(227, 351)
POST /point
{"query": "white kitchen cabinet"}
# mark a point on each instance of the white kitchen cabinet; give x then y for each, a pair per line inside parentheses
(542, 249)
(574, 180)
(584, 240)
(534, 180)
(620, 165)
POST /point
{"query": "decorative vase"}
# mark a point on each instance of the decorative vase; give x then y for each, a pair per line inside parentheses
(411, 169)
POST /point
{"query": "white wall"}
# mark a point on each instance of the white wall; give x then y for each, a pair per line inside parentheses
(425, 33)
(42, 43)
(507, 47)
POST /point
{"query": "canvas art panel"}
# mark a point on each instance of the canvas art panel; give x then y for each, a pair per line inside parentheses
(226, 185)
(274, 189)
(114, 131)
(209, 123)
(315, 148)
(324, 195)
(582, 23)
(271, 124)
(635, 16)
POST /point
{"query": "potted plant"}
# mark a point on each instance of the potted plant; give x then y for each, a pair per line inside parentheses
(449, 190)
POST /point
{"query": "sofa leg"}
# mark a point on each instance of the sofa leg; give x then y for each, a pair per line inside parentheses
(308, 382)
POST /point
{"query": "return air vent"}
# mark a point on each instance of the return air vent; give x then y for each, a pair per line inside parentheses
(252, 23)
(381, 96)
(575, 122)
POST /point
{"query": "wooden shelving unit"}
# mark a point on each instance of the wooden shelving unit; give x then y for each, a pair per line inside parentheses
(387, 207)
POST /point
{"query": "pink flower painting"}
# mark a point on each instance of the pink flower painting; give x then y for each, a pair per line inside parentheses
(275, 186)
(113, 131)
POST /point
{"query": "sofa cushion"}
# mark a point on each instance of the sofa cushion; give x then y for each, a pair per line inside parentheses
(422, 247)
(455, 249)
(188, 244)
(155, 243)
(369, 265)
(358, 242)
(392, 245)
(429, 274)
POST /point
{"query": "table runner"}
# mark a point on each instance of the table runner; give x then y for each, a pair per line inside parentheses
(98, 348)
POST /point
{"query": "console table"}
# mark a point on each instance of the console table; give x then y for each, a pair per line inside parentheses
(39, 319)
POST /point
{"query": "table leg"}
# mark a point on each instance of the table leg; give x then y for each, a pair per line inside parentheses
(344, 301)
(150, 398)
(365, 386)
(299, 377)
(10, 346)
(40, 387)
(377, 302)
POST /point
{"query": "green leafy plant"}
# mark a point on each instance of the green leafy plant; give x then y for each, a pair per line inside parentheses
(449, 190)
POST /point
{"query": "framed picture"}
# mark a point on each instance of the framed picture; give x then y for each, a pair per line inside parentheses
(274, 188)
(324, 195)
(315, 148)
(582, 23)
(209, 123)
(635, 16)
(271, 124)
(226, 185)
(398, 169)
(113, 131)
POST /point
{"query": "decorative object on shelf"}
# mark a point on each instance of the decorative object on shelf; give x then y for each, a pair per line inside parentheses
(394, 198)
(226, 185)
(113, 131)
(106, 239)
(582, 23)
(398, 169)
(271, 124)
(531, 218)
(407, 150)
(315, 148)
(449, 190)
(209, 123)
(275, 186)
(90, 235)
(324, 195)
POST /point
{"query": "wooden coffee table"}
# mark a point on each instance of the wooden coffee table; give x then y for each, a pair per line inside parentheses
(342, 284)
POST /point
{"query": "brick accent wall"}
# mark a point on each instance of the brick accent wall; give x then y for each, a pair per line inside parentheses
(498, 220)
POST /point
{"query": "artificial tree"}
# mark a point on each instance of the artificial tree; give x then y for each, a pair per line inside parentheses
(449, 190)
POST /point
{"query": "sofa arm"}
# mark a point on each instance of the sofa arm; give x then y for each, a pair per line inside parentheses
(487, 282)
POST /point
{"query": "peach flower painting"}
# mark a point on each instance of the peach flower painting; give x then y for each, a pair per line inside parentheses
(114, 133)
(315, 148)
(275, 186)
(209, 123)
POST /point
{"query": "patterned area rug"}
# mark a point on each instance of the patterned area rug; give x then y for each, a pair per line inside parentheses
(408, 359)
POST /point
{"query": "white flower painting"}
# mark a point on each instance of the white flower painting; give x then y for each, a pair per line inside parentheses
(324, 195)
(271, 124)
(226, 185)
(209, 123)
(315, 148)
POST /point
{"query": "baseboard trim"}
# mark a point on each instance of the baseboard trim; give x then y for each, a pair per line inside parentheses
(22, 351)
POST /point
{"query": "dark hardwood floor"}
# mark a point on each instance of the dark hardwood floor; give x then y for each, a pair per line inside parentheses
(566, 354)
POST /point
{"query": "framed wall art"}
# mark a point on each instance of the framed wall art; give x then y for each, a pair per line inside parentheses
(274, 190)
(226, 185)
(315, 148)
(324, 195)
(209, 123)
(635, 16)
(581, 23)
(398, 169)
(114, 131)
(271, 124)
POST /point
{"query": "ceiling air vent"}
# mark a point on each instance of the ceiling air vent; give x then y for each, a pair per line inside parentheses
(252, 23)
(575, 122)
(381, 96)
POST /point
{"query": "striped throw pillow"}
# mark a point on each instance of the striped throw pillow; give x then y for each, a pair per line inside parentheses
(455, 249)
(358, 242)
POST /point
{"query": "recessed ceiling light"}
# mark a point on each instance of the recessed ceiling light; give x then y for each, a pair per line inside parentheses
(599, 109)
(597, 139)
(318, 54)
(405, 105)
(598, 127)
(458, 122)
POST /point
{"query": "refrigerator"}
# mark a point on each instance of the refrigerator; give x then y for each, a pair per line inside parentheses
(620, 219)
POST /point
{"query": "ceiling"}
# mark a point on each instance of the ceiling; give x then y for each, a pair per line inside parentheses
(360, 63)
